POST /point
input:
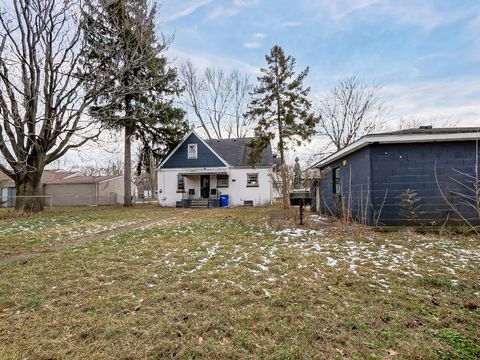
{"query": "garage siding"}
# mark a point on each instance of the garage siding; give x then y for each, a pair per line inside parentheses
(71, 194)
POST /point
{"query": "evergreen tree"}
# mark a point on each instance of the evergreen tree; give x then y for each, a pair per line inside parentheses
(120, 36)
(281, 106)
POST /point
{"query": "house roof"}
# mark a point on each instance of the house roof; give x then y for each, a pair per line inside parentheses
(235, 151)
(5, 181)
(430, 130)
(416, 135)
(226, 152)
(61, 177)
(48, 176)
(81, 179)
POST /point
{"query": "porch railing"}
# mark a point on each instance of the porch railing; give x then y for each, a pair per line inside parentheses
(193, 195)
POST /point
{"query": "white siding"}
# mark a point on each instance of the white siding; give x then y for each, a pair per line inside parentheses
(237, 190)
(167, 188)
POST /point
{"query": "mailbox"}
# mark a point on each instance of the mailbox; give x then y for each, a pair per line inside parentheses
(300, 197)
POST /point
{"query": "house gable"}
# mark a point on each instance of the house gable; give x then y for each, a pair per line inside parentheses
(179, 158)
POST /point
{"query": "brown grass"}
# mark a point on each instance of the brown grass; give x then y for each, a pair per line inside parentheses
(222, 284)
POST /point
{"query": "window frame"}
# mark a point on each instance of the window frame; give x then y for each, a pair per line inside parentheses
(248, 180)
(226, 178)
(196, 151)
(336, 181)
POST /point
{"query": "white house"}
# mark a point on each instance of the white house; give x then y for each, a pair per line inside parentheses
(201, 173)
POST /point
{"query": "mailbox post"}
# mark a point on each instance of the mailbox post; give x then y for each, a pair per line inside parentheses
(301, 198)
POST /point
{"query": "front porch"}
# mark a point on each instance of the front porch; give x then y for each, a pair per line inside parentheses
(202, 190)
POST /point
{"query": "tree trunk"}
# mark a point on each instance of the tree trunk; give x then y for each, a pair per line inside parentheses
(127, 171)
(284, 175)
(28, 191)
(281, 148)
(153, 177)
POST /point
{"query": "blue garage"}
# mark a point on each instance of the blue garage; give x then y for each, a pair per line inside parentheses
(423, 176)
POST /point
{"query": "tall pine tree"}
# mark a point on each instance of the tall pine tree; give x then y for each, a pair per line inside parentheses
(281, 106)
(120, 36)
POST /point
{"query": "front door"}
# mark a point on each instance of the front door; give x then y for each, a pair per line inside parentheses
(205, 186)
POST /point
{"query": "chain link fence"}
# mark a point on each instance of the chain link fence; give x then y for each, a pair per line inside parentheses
(52, 201)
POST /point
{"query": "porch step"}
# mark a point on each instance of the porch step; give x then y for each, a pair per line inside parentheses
(199, 203)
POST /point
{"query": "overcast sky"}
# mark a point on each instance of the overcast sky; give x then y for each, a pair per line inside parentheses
(425, 53)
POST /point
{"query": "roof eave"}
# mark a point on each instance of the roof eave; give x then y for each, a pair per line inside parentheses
(395, 139)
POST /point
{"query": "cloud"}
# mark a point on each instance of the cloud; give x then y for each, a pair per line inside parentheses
(252, 45)
(204, 60)
(290, 24)
(255, 43)
(427, 14)
(222, 11)
(233, 9)
(189, 9)
(455, 99)
(339, 9)
(245, 2)
(259, 35)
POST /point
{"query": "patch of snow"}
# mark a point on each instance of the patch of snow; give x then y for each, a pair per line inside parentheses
(210, 254)
(317, 218)
(353, 268)
(331, 262)
(297, 232)
(263, 267)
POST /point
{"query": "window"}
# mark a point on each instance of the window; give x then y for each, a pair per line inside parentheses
(192, 151)
(337, 182)
(180, 183)
(222, 181)
(252, 180)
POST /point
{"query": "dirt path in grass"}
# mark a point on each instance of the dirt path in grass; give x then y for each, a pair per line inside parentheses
(82, 240)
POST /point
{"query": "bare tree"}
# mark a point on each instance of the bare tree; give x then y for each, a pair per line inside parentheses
(41, 95)
(110, 168)
(218, 100)
(241, 125)
(352, 109)
(415, 122)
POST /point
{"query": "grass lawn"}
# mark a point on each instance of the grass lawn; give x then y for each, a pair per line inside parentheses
(234, 284)
(58, 225)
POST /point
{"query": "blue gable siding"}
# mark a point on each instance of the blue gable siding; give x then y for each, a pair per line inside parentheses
(205, 158)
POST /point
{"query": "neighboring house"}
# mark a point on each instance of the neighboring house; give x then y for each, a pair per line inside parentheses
(372, 176)
(64, 188)
(197, 172)
(7, 192)
(144, 187)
